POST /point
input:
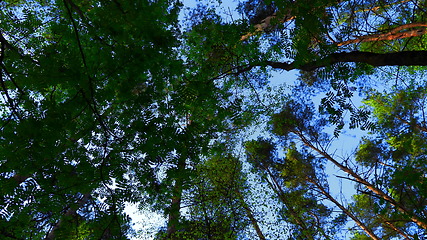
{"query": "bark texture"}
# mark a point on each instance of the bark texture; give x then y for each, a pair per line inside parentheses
(393, 34)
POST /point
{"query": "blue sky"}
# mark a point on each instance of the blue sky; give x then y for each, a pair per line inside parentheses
(344, 146)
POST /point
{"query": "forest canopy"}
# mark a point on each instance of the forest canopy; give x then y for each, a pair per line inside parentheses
(173, 108)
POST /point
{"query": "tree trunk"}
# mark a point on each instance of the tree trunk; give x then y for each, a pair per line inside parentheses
(251, 217)
(363, 181)
(175, 207)
(404, 235)
(281, 195)
(368, 231)
(393, 34)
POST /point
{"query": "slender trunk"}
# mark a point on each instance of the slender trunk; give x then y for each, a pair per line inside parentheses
(405, 58)
(368, 231)
(175, 207)
(363, 181)
(254, 222)
(281, 195)
(392, 226)
(251, 217)
(416, 125)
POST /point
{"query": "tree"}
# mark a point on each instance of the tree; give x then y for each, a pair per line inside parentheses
(108, 102)
(216, 203)
(334, 48)
(83, 89)
(96, 106)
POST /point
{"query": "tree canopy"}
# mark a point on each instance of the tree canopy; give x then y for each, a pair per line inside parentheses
(109, 103)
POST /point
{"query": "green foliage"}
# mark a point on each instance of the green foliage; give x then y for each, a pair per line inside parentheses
(217, 206)
(108, 102)
(396, 154)
(78, 84)
(370, 152)
(259, 151)
(294, 117)
(297, 168)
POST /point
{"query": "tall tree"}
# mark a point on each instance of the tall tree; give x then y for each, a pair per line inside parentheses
(86, 86)
(322, 39)
(108, 102)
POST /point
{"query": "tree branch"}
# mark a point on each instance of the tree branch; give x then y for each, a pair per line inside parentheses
(406, 58)
(365, 228)
(390, 35)
(377, 191)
